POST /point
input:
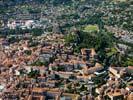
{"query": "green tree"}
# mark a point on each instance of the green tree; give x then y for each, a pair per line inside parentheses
(71, 38)
(37, 31)
(28, 52)
(33, 73)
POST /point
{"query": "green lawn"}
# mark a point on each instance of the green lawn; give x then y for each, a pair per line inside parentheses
(90, 28)
(113, 51)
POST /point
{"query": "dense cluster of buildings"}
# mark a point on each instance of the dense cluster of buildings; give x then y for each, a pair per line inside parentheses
(121, 34)
(45, 67)
(50, 70)
(42, 15)
(20, 24)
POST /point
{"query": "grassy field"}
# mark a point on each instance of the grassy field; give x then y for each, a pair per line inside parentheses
(91, 28)
(112, 51)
